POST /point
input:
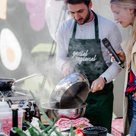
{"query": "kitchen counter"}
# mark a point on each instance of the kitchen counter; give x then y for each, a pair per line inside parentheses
(67, 134)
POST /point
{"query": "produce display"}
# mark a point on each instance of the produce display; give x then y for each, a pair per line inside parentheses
(65, 123)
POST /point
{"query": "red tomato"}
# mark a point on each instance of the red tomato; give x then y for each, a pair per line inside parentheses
(79, 132)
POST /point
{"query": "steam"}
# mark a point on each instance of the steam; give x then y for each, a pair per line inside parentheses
(28, 36)
(43, 84)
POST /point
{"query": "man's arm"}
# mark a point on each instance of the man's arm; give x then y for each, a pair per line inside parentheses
(114, 69)
(62, 61)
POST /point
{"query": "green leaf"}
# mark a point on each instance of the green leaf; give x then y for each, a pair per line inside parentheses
(27, 122)
(33, 131)
(72, 133)
(50, 126)
(19, 131)
(41, 109)
(51, 130)
(45, 116)
(41, 125)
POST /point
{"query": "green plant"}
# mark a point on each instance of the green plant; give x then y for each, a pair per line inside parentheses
(44, 131)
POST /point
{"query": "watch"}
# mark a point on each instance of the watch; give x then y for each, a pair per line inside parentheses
(105, 79)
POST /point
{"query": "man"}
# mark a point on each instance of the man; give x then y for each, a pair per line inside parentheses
(79, 47)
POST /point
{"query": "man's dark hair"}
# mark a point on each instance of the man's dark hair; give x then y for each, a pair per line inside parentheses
(77, 2)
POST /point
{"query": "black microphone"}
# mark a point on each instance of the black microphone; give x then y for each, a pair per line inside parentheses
(108, 45)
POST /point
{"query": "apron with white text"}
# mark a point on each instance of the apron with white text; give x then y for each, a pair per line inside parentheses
(87, 55)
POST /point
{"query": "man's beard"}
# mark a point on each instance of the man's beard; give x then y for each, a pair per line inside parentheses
(87, 17)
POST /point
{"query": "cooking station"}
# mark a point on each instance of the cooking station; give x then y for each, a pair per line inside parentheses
(66, 104)
(11, 94)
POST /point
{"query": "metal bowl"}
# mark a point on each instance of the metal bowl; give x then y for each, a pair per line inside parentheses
(95, 131)
(71, 113)
(71, 91)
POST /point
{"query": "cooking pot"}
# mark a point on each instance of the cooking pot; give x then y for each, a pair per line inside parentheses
(70, 92)
(6, 87)
(9, 83)
(6, 84)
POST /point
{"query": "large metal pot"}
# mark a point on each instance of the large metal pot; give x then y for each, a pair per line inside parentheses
(70, 92)
(6, 84)
(6, 87)
(71, 113)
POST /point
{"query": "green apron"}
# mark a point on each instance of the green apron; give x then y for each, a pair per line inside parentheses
(87, 55)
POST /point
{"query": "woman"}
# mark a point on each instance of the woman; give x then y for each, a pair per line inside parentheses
(124, 12)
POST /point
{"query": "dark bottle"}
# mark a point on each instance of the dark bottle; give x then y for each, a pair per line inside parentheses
(14, 121)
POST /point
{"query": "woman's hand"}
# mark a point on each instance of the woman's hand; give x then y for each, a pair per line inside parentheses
(134, 95)
(121, 55)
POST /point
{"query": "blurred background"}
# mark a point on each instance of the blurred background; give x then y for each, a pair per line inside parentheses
(27, 44)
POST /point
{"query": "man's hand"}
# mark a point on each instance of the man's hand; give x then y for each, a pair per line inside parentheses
(97, 84)
(67, 69)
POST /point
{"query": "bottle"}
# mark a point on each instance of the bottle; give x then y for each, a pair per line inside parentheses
(35, 123)
(14, 120)
(5, 111)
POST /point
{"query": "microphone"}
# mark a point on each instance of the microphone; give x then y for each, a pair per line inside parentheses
(108, 45)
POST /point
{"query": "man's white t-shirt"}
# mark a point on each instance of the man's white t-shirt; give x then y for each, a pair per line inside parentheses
(107, 29)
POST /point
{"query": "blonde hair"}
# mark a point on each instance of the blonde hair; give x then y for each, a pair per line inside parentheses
(126, 3)
(131, 42)
(132, 5)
